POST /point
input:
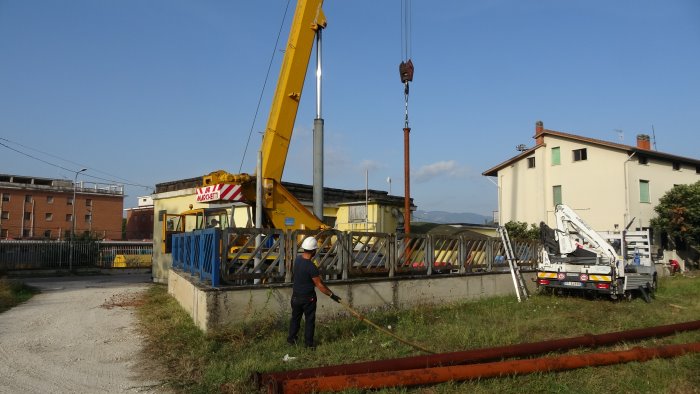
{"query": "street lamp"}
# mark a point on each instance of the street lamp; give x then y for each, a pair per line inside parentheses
(72, 231)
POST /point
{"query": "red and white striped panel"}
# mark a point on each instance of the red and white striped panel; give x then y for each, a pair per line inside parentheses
(219, 192)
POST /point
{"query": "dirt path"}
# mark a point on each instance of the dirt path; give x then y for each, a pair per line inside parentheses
(77, 336)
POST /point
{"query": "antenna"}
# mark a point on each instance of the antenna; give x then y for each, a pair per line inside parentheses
(521, 148)
(653, 136)
(620, 134)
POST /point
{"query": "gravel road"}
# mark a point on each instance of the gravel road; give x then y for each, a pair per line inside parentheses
(78, 336)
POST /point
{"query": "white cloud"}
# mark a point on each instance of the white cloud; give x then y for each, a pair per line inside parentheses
(370, 165)
(448, 168)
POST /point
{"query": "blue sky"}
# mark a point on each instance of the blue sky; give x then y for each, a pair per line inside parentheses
(144, 92)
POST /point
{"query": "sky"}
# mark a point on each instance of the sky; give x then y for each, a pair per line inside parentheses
(144, 92)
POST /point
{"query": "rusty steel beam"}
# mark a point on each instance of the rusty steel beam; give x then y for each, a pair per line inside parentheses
(435, 375)
(475, 355)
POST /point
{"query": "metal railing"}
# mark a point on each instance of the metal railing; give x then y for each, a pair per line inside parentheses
(21, 255)
(199, 253)
(252, 256)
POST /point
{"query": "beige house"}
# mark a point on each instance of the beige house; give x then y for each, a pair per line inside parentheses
(345, 210)
(609, 185)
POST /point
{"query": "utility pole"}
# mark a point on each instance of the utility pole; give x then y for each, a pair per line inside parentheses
(72, 231)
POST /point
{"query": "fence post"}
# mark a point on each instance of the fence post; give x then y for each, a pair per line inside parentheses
(490, 243)
(216, 258)
(345, 255)
(391, 254)
(462, 253)
(289, 254)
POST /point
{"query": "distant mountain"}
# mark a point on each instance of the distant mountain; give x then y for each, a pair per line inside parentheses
(449, 217)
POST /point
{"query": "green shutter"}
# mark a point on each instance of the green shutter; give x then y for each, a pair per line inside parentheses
(644, 191)
(556, 156)
(556, 194)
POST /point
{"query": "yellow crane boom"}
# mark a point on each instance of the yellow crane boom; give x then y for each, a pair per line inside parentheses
(282, 209)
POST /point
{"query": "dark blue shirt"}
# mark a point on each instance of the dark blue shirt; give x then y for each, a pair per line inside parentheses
(304, 270)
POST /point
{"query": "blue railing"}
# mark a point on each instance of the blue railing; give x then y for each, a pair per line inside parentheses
(198, 253)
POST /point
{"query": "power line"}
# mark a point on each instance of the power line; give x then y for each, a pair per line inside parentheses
(67, 169)
(267, 75)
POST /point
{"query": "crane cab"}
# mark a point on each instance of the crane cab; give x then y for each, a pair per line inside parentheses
(190, 220)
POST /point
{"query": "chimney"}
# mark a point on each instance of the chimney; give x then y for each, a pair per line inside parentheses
(643, 141)
(539, 128)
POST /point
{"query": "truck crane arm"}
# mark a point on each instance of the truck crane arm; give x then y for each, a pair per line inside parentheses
(567, 219)
(282, 209)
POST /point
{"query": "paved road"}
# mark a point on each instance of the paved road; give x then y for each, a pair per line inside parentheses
(74, 337)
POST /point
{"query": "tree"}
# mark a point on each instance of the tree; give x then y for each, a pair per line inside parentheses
(520, 230)
(678, 215)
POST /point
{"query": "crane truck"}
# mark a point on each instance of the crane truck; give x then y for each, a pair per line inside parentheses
(575, 257)
(280, 208)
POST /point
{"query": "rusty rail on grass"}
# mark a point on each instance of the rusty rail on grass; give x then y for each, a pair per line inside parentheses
(274, 380)
(435, 375)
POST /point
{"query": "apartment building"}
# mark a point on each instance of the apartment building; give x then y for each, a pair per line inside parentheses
(44, 208)
(609, 185)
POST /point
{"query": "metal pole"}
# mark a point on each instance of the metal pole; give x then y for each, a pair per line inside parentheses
(258, 210)
(72, 231)
(407, 181)
(318, 137)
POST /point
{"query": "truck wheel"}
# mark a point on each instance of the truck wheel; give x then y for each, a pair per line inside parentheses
(653, 286)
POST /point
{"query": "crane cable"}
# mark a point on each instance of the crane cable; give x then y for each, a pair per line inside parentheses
(406, 67)
(262, 91)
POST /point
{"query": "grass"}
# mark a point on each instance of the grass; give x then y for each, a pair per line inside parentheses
(13, 293)
(194, 362)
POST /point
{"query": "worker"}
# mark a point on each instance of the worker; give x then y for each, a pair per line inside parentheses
(306, 278)
(213, 223)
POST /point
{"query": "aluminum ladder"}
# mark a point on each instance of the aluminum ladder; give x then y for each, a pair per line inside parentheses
(518, 281)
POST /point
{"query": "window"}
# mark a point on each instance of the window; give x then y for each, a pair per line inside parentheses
(6, 197)
(27, 216)
(47, 233)
(28, 198)
(49, 199)
(556, 194)
(49, 217)
(4, 233)
(697, 169)
(26, 232)
(69, 217)
(643, 160)
(556, 157)
(676, 166)
(69, 201)
(531, 162)
(5, 215)
(357, 213)
(88, 202)
(88, 218)
(580, 154)
(644, 191)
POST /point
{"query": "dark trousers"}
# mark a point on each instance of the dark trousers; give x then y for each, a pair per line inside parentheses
(305, 305)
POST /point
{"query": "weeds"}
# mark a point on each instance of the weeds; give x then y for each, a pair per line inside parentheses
(13, 293)
(223, 360)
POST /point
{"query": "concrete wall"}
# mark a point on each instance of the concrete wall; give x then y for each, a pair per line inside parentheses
(212, 308)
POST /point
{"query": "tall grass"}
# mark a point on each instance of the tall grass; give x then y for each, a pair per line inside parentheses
(13, 293)
(222, 361)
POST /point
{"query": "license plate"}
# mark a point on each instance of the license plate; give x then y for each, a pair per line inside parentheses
(575, 284)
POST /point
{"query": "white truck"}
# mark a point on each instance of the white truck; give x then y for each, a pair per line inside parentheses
(575, 257)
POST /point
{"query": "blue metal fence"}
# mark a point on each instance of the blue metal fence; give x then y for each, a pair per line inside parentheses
(199, 253)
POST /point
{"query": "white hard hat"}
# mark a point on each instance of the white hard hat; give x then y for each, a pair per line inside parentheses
(309, 243)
